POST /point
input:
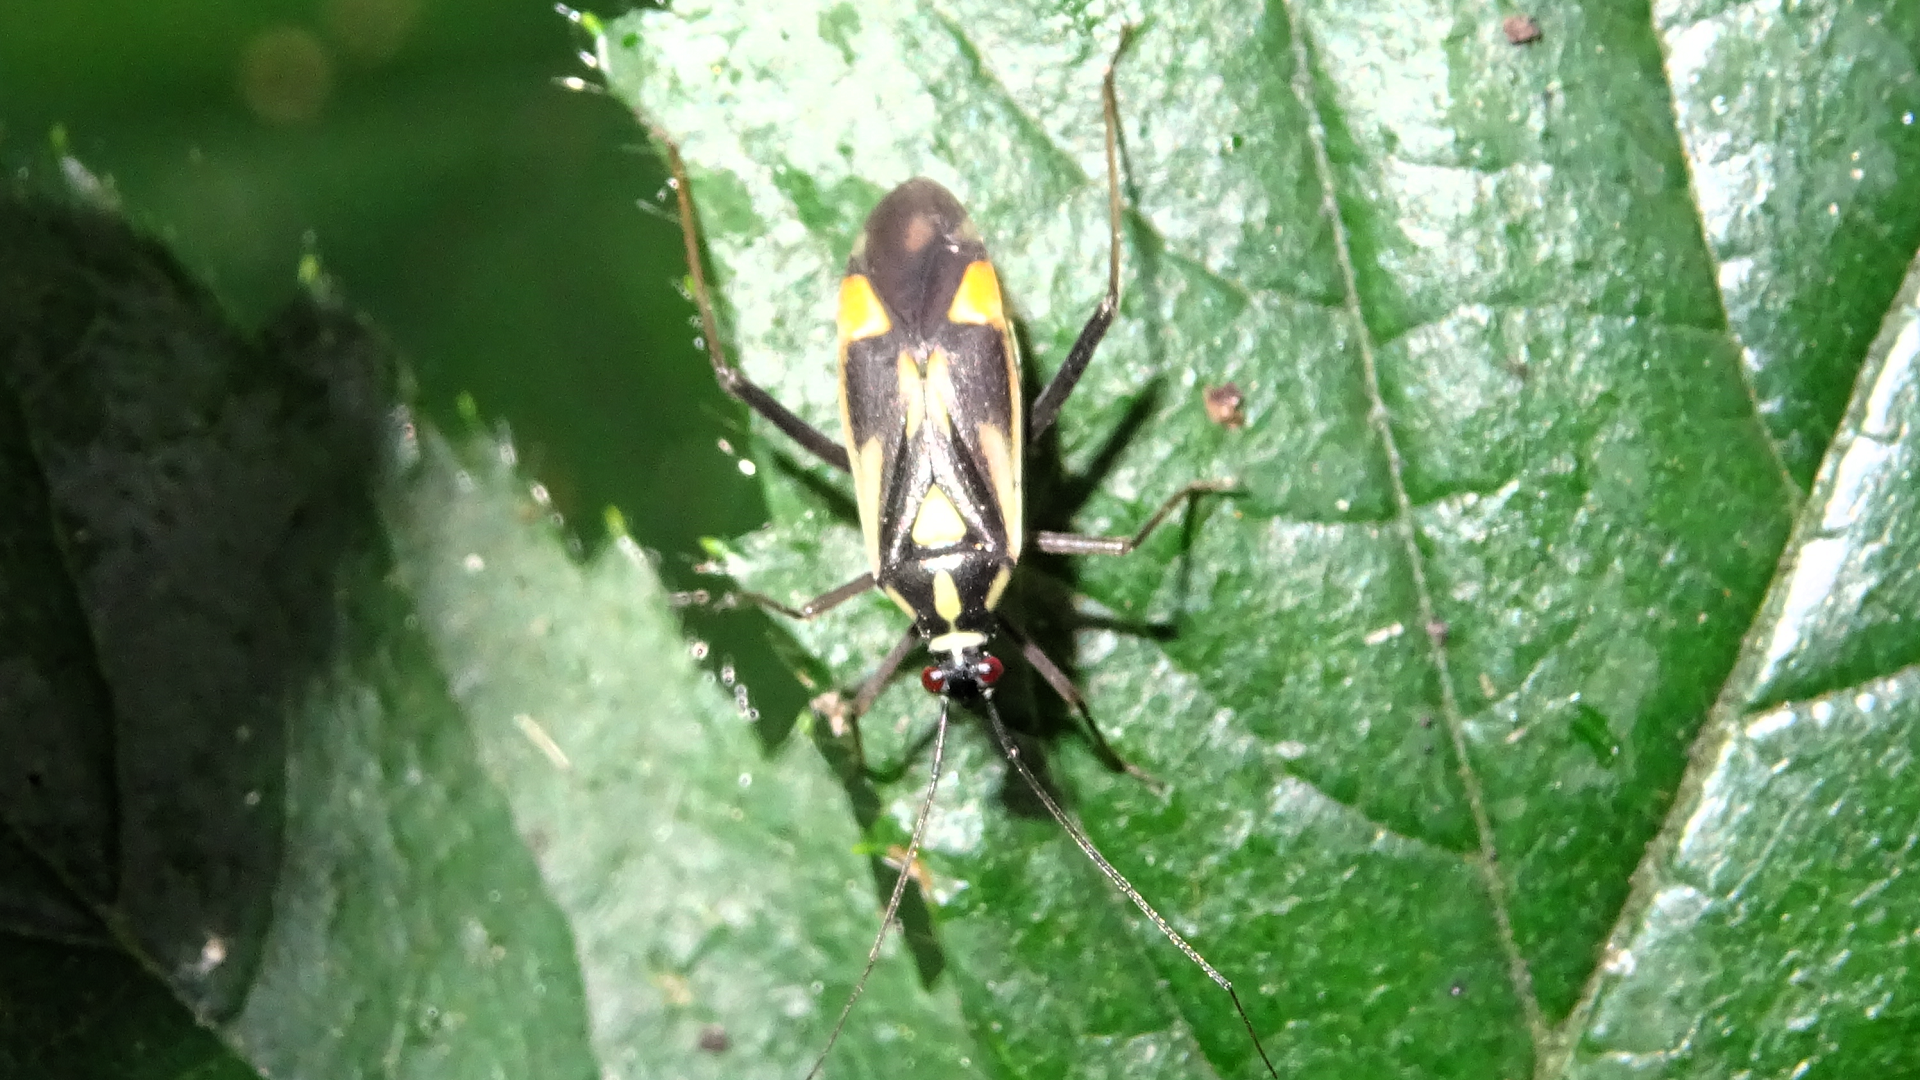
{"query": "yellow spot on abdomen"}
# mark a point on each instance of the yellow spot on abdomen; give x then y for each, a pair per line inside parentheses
(938, 524)
(977, 300)
(861, 314)
(946, 597)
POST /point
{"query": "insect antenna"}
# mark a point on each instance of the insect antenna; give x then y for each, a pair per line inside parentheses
(1002, 736)
(899, 887)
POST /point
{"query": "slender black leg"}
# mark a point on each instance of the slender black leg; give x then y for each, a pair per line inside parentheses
(844, 718)
(1074, 544)
(817, 606)
(831, 705)
(730, 378)
(883, 674)
(1046, 407)
(1070, 694)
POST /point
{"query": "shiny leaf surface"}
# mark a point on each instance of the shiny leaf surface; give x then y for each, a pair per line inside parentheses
(1539, 345)
(1544, 549)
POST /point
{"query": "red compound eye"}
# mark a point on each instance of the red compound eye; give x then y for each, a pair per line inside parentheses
(932, 679)
(989, 670)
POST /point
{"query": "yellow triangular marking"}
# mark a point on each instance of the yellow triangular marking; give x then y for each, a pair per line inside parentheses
(861, 314)
(977, 300)
(938, 523)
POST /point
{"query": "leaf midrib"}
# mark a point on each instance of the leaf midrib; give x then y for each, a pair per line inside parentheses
(1487, 864)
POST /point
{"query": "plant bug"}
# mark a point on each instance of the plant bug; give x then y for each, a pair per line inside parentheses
(934, 435)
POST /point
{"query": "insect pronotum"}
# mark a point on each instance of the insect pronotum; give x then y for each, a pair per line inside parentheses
(934, 433)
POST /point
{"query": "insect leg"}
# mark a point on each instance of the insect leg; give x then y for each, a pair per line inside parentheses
(837, 713)
(844, 719)
(1046, 407)
(883, 674)
(1074, 544)
(1069, 693)
(817, 606)
(831, 706)
(730, 378)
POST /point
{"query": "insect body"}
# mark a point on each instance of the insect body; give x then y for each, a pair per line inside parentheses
(930, 403)
(934, 435)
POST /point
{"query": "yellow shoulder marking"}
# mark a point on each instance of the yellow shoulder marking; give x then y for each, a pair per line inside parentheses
(861, 315)
(938, 523)
(977, 300)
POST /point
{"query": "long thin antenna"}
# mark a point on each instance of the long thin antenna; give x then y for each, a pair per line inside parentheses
(899, 889)
(1080, 839)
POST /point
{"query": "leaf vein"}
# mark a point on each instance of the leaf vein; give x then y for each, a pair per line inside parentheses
(1487, 861)
(1688, 155)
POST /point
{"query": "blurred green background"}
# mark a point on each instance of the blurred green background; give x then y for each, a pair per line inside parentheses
(483, 215)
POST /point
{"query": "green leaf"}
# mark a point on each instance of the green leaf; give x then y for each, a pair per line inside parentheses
(384, 782)
(1541, 346)
(1770, 924)
(311, 713)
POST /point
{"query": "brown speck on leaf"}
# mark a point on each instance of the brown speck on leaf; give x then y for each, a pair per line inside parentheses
(1521, 29)
(1437, 632)
(673, 988)
(835, 710)
(1224, 405)
(713, 1039)
(896, 857)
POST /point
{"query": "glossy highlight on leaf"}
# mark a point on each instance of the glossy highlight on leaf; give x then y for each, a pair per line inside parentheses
(1490, 312)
